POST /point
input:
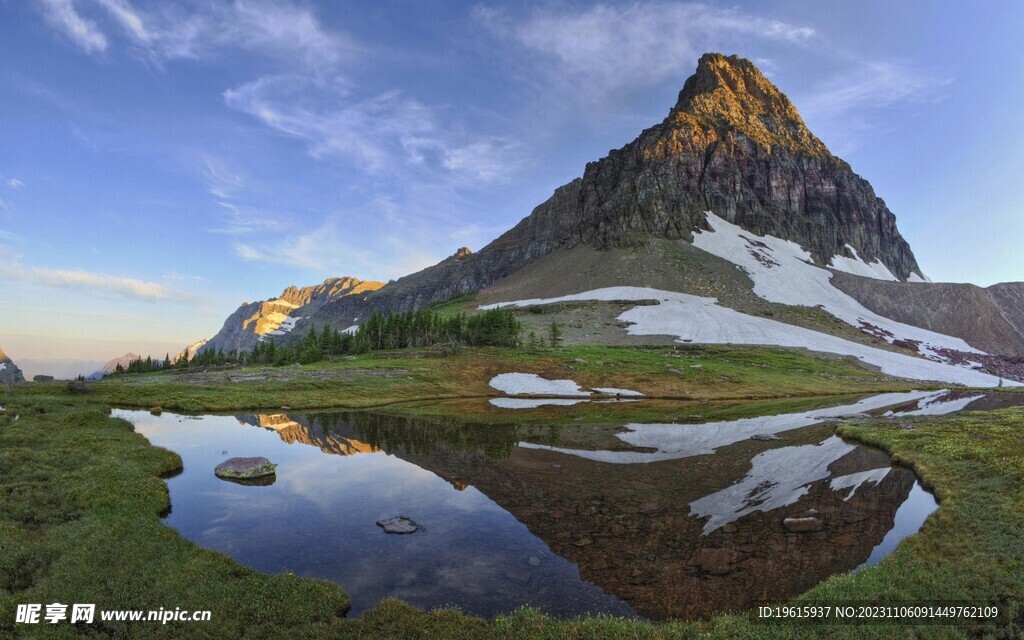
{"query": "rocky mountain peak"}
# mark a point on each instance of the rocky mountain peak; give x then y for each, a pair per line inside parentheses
(254, 321)
(462, 252)
(728, 95)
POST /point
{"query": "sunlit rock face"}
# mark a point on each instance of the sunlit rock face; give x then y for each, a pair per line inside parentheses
(9, 372)
(278, 316)
(191, 350)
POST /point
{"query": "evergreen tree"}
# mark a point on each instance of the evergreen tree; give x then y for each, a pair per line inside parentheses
(554, 334)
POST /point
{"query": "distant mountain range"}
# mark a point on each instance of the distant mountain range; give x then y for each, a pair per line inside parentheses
(733, 215)
(111, 366)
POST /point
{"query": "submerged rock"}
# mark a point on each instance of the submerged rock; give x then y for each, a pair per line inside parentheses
(399, 525)
(717, 562)
(245, 468)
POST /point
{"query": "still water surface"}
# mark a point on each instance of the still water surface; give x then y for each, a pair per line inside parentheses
(677, 519)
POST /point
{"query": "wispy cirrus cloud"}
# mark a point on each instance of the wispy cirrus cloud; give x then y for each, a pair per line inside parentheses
(337, 247)
(382, 133)
(63, 16)
(844, 109)
(607, 48)
(193, 29)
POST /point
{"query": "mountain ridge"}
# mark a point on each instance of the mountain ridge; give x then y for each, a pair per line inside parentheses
(252, 321)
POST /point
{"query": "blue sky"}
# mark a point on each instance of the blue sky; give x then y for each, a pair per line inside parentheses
(163, 162)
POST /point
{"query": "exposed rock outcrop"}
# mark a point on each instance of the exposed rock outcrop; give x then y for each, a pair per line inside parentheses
(9, 372)
(991, 319)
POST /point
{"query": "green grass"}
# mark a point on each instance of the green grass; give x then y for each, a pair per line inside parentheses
(81, 494)
(80, 498)
(383, 378)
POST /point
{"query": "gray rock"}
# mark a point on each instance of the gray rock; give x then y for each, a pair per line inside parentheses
(245, 468)
(764, 436)
(400, 525)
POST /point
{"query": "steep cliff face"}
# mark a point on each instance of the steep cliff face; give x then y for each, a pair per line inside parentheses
(732, 144)
(278, 316)
(9, 372)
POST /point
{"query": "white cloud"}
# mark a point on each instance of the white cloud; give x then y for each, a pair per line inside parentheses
(81, 280)
(485, 160)
(125, 15)
(64, 17)
(369, 131)
(13, 183)
(604, 49)
(196, 29)
(243, 220)
(379, 134)
(220, 181)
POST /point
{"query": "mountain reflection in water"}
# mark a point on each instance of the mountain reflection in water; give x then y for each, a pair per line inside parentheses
(682, 520)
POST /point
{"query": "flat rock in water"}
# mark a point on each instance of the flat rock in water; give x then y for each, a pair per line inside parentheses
(245, 468)
(399, 525)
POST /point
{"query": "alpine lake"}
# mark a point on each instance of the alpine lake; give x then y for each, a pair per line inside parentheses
(680, 519)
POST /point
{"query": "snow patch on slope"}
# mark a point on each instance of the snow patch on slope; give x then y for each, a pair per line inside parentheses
(532, 384)
(287, 324)
(858, 267)
(783, 272)
(703, 320)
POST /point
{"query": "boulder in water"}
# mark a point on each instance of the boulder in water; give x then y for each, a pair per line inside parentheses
(245, 468)
(399, 525)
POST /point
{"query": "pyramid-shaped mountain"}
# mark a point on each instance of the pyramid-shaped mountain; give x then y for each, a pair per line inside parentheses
(733, 144)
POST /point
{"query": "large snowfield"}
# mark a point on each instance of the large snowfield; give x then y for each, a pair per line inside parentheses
(703, 320)
(783, 272)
